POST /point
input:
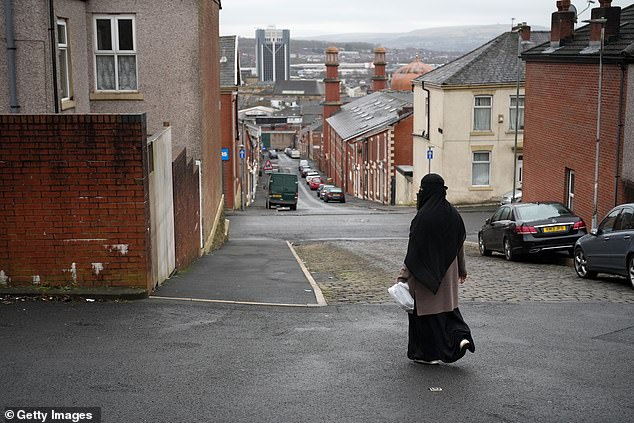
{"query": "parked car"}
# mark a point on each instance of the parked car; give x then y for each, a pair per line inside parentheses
(302, 163)
(334, 194)
(310, 174)
(305, 170)
(294, 154)
(320, 190)
(506, 198)
(315, 182)
(529, 228)
(609, 248)
(273, 154)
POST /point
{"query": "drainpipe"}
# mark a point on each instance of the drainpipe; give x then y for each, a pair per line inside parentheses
(422, 84)
(200, 203)
(618, 137)
(8, 25)
(53, 26)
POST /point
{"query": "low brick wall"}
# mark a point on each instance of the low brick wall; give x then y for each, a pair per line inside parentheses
(74, 209)
(186, 210)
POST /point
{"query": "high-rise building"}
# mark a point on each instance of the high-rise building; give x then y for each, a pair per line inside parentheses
(272, 52)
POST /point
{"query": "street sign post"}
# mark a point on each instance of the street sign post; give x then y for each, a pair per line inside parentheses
(430, 156)
(224, 153)
(242, 153)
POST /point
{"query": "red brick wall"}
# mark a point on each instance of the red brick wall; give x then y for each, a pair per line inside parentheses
(74, 200)
(404, 142)
(560, 133)
(186, 210)
(209, 74)
(228, 134)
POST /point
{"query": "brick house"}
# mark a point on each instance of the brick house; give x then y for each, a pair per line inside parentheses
(103, 64)
(369, 137)
(560, 137)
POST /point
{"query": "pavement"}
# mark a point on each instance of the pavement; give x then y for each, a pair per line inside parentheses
(250, 272)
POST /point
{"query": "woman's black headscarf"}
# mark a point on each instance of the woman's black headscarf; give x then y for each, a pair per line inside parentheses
(436, 234)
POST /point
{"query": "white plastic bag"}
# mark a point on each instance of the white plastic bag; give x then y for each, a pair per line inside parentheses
(400, 292)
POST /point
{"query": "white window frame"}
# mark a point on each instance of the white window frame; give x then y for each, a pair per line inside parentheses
(521, 108)
(487, 162)
(65, 47)
(114, 34)
(476, 108)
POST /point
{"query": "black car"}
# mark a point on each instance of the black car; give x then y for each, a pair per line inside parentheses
(528, 228)
(609, 248)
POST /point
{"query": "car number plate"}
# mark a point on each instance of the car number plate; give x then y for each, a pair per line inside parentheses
(554, 229)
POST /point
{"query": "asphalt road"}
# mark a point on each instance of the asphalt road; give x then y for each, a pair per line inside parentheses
(549, 347)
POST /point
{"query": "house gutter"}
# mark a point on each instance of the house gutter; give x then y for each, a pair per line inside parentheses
(8, 25)
(51, 14)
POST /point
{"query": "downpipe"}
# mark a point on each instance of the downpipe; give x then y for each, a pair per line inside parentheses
(11, 50)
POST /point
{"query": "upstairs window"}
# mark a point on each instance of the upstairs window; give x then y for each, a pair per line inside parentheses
(519, 108)
(63, 58)
(482, 113)
(115, 53)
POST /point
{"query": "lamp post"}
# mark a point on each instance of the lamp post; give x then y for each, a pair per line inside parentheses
(602, 22)
(242, 156)
(519, 28)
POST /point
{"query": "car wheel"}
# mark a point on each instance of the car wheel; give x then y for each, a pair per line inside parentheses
(483, 250)
(630, 269)
(581, 265)
(508, 250)
(268, 206)
(293, 206)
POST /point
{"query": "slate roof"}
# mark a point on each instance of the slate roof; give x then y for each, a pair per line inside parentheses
(229, 66)
(578, 48)
(370, 113)
(492, 63)
(307, 87)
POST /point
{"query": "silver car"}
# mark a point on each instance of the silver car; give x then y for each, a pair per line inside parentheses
(609, 248)
(506, 198)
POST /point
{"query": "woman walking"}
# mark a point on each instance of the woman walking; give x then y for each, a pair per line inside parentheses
(434, 267)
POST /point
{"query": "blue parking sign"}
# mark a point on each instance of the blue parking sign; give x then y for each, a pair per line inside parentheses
(430, 154)
(224, 153)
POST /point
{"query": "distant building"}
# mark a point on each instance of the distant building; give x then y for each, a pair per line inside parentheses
(273, 54)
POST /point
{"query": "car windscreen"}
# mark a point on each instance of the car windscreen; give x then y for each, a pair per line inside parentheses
(335, 190)
(541, 211)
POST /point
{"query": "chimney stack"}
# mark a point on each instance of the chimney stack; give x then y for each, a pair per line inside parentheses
(562, 23)
(526, 33)
(333, 96)
(612, 25)
(379, 80)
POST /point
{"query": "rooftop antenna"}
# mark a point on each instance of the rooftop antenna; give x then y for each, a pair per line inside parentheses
(512, 23)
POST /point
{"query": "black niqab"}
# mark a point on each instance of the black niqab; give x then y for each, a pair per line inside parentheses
(436, 234)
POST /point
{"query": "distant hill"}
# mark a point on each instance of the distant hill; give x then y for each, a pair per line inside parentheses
(454, 38)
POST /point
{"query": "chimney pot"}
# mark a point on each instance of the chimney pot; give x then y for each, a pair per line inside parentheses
(612, 14)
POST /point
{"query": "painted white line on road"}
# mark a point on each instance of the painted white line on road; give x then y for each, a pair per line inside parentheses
(319, 296)
(203, 300)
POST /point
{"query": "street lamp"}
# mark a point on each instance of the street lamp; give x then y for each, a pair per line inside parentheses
(242, 156)
(602, 22)
(519, 28)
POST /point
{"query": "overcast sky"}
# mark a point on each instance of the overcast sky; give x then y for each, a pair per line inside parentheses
(323, 17)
